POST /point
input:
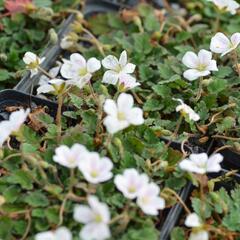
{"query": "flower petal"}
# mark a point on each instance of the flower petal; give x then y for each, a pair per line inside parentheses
(123, 58)
(78, 59)
(113, 125)
(213, 164)
(219, 43)
(110, 62)
(83, 214)
(110, 107)
(135, 116)
(235, 39)
(93, 65)
(204, 57)
(129, 68)
(192, 74)
(46, 88)
(190, 59)
(212, 66)
(67, 70)
(193, 220)
(110, 77)
(93, 231)
(124, 102)
(199, 235)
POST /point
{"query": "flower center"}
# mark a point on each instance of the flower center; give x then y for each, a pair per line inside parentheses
(145, 200)
(201, 67)
(83, 72)
(94, 174)
(34, 64)
(121, 116)
(132, 189)
(118, 68)
(98, 218)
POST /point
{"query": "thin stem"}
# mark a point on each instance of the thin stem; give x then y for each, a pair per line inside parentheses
(222, 148)
(235, 58)
(45, 72)
(179, 199)
(59, 117)
(28, 226)
(200, 88)
(225, 137)
(92, 92)
(95, 40)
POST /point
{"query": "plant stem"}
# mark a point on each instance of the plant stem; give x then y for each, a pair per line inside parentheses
(225, 137)
(95, 40)
(45, 72)
(59, 117)
(235, 59)
(199, 89)
(179, 199)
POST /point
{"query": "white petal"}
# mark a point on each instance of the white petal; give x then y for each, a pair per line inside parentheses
(212, 66)
(190, 166)
(192, 74)
(83, 214)
(193, 220)
(205, 57)
(63, 233)
(235, 39)
(129, 68)
(29, 58)
(219, 43)
(110, 107)
(123, 58)
(5, 131)
(113, 125)
(45, 89)
(78, 59)
(67, 70)
(110, 77)
(110, 62)
(199, 235)
(49, 235)
(213, 164)
(93, 231)
(124, 102)
(190, 60)
(135, 116)
(93, 65)
(127, 81)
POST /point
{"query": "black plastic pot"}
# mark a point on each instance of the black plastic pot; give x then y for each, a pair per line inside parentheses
(9, 98)
(231, 157)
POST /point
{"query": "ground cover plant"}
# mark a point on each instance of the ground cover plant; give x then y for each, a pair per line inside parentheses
(127, 85)
(26, 25)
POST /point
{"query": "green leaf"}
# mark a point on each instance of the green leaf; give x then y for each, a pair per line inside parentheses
(177, 234)
(11, 194)
(37, 199)
(152, 105)
(162, 90)
(142, 43)
(4, 75)
(217, 85)
(21, 177)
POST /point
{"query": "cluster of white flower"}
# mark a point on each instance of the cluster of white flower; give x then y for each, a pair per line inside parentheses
(228, 5)
(94, 168)
(134, 185)
(12, 126)
(202, 64)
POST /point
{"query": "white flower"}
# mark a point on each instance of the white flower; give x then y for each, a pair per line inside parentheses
(96, 169)
(127, 82)
(200, 65)
(55, 86)
(228, 5)
(222, 44)
(121, 114)
(130, 183)
(52, 72)
(201, 164)
(32, 61)
(148, 199)
(67, 42)
(187, 110)
(193, 220)
(11, 126)
(78, 70)
(96, 217)
(61, 233)
(70, 157)
(198, 235)
(119, 71)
